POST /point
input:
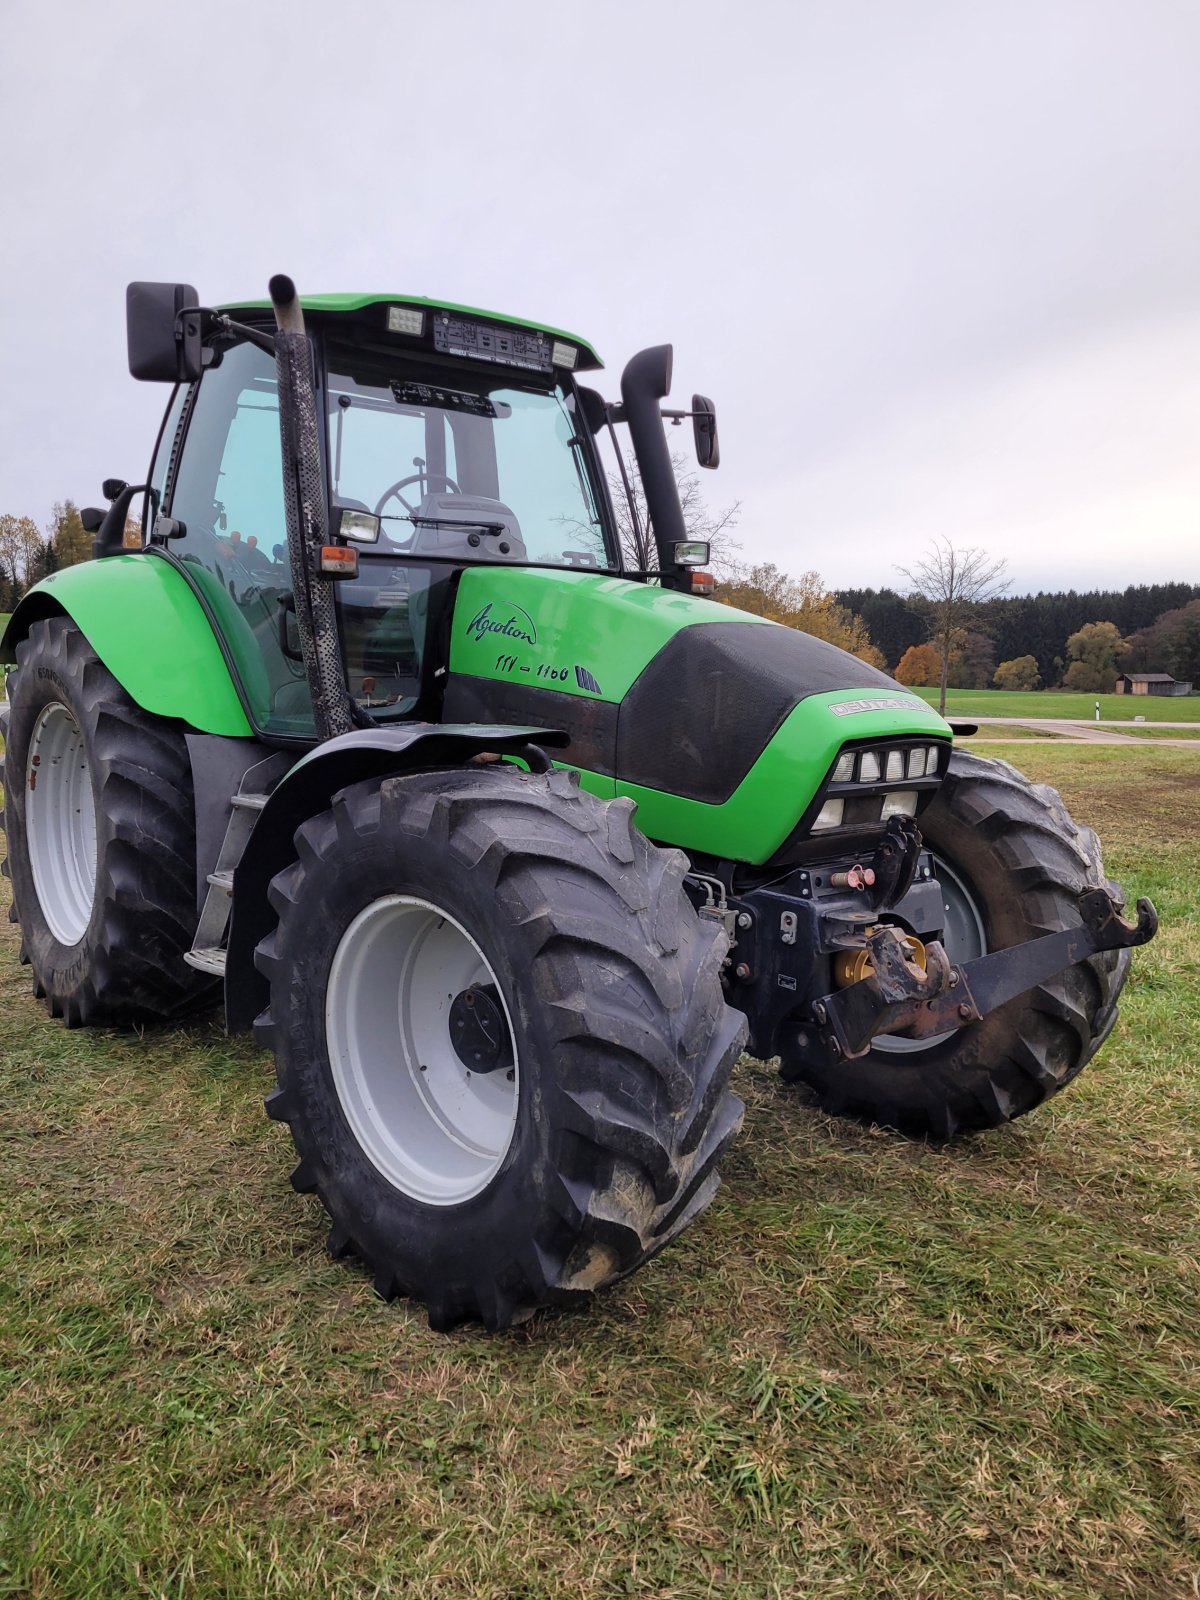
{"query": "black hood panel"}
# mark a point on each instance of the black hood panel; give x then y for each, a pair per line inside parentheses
(703, 711)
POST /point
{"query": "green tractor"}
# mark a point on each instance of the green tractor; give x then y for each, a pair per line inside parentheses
(506, 846)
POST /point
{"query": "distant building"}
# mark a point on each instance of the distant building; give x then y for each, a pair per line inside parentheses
(1151, 683)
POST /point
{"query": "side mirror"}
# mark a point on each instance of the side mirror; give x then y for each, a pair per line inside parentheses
(162, 323)
(704, 428)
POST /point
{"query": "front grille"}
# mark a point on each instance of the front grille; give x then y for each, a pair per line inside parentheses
(868, 783)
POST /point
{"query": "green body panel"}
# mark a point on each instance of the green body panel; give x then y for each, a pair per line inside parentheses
(608, 625)
(765, 807)
(145, 623)
(345, 303)
(527, 626)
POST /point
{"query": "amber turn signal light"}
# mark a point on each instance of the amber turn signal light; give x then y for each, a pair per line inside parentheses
(336, 561)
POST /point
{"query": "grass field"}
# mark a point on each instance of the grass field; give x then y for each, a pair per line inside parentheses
(1150, 732)
(875, 1369)
(1057, 703)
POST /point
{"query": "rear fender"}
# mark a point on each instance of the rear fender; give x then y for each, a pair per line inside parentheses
(308, 789)
(142, 618)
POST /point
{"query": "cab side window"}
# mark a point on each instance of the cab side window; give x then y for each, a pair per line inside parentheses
(228, 493)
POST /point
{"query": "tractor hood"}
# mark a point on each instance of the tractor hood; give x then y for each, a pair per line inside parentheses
(721, 725)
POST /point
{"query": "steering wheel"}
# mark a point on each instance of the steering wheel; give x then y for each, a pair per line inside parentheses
(427, 478)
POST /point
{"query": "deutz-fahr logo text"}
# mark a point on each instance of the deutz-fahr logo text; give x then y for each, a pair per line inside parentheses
(511, 622)
(894, 702)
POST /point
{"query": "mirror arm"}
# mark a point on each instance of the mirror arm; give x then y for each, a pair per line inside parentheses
(110, 535)
(255, 336)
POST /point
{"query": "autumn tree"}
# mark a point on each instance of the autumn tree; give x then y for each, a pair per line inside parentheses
(71, 541)
(951, 582)
(803, 603)
(1021, 673)
(21, 546)
(1094, 652)
(920, 666)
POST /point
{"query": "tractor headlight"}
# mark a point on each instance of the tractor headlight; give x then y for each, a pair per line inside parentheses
(893, 769)
(844, 771)
(406, 319)
(830, 815)
(899, 803)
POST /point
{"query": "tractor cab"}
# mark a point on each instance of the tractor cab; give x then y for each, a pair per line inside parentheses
(445, 442)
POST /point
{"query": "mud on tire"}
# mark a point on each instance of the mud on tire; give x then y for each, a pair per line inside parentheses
(126, 965)
(623, 1042)
(1025, 863)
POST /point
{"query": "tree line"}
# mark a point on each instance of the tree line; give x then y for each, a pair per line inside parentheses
(29, 553)
(1157, 627)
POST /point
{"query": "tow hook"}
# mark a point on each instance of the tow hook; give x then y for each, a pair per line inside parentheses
(897, 994)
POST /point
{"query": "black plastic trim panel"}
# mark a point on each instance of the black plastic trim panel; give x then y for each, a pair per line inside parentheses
(590, 725)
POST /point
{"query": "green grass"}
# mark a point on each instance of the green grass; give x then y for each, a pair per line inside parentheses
(1058, 703)
(1151, 732)
(874, 1369)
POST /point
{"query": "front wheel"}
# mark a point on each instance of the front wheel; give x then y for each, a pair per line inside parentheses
(1012, 865)
(500, 1038)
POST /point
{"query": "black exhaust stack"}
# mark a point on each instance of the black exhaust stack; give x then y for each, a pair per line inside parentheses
(304, 505)
(645, 383)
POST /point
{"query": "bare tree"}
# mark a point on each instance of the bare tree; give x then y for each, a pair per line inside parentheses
(950, 581)
(701, 522)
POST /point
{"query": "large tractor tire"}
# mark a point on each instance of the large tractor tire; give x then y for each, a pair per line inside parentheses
(500, 1038)
(1011, 864)
(101, 838)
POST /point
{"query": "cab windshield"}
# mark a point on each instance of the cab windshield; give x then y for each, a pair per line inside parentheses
(459, 467)
(464, 467)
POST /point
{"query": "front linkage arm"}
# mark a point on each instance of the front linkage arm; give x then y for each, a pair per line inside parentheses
(897, 996)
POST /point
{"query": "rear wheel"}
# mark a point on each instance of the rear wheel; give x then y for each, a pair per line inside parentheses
(101, 838)
(1012, 865)
(500, 1038)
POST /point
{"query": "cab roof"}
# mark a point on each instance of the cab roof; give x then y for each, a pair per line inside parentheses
(347, 304)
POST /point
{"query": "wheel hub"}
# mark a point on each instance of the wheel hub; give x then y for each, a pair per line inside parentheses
(478, 1030)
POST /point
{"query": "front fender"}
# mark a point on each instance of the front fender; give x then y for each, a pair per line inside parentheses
(144, 622)
(309, 788)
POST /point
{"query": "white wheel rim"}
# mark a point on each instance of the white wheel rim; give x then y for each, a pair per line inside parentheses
(963, 939)
(60, 823)
(435, 1130)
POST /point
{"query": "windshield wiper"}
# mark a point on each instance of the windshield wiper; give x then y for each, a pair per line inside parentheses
(449, 522)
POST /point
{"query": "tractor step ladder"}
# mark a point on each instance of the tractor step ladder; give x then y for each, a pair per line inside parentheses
(212, 932)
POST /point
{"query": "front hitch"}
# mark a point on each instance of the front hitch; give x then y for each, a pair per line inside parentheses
(899, 996)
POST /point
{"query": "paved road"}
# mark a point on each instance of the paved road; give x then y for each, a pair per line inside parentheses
(1079, 732)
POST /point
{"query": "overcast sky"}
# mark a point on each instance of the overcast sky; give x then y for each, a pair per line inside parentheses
(938, 264)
